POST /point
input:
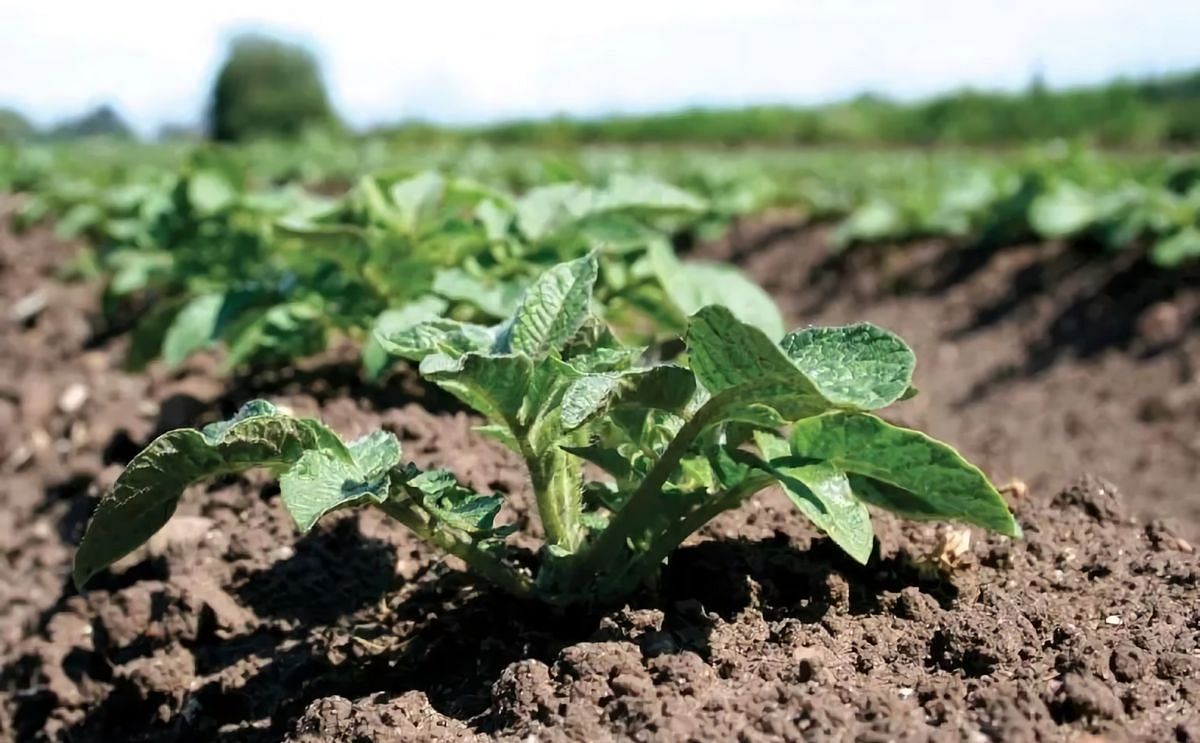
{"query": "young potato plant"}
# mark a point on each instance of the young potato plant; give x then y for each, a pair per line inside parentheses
(680, 443)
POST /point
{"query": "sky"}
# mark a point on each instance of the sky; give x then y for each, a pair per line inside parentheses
(456, 61)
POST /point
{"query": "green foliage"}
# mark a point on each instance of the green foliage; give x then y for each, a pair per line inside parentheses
(102, 121)
(679, 443)
(14, 126)
(268, 88)
(1159, 111)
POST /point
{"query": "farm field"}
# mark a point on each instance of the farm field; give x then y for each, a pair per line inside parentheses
(1051, 296)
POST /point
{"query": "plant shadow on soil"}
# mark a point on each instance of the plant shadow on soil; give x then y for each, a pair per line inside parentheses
(1099, 303)
(335, 631)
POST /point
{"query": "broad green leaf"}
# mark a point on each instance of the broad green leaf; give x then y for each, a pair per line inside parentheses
(771, 446)
(1063, 211)
(436, 336)
(499, 433)
(320, 482)
(147, 492)
(193, 328)
(587, 396)
(493, 385)
(417, 199)
(855, 366)
(323, 480)
(459, 507)
(822, 492)
(375, 453)
(545, 210)
(286, 331)
(691, 286)
(626, 191)
(494, 218)
(1177, 249)
(494, 298)
(134, 270)
(553, 309)
(392, 322)
(209, 193)
(666, 387)
(942, 484)
(739, 365)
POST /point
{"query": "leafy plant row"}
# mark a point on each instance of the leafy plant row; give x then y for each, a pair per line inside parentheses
(233, 248)
(678, 443)
(274, 274)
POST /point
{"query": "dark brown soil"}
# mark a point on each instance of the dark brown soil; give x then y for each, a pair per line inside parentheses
(229, 627)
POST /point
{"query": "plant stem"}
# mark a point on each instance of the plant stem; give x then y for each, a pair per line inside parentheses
(642, 507)
(556, 484)
(646, 562)
(483, 563)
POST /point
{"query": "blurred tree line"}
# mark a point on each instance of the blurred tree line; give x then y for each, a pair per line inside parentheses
(1156, 112)
(269, 88)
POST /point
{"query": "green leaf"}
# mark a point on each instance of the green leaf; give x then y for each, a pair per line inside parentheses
(553, 309)
(493, 385)
(417, 199)
(147, 492)
(691, 286)
(626, 191)
(457, 506)
(941, 483)
(1177, 249)
(320, 482)
(822, 492)
(545, 210)
(587, 396)
(393, 322)
(134, 270)
(494, 218)
(436, 336)
(739, 365)
(666, 387)
(375, 453)
(494, 298)
(209, 193)
(193, 328)
(855, 366)
(1063, 211)
(771, 446)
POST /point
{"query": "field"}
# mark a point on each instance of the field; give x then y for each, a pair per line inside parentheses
(1052, 298)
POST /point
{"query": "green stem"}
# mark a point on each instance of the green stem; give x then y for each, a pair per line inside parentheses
(643, 506)
(662, 545)
(557, 483)
(483, 563)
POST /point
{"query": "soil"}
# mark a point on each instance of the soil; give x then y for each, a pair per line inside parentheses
(230, 627)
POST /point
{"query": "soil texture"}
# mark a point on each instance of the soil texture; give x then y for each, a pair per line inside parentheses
(228, 626)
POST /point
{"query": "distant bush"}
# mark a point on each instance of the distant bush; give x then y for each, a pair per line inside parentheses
(101, 121)
(14, 126)
(268, 88)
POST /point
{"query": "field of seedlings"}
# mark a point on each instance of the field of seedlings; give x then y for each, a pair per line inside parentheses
(354, 440)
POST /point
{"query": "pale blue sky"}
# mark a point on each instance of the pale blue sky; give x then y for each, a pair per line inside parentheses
(452, 60)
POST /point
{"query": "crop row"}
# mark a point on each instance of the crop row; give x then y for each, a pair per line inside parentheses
(239, 248)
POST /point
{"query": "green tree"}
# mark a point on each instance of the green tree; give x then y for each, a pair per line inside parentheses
(101, 121)
(268, 88)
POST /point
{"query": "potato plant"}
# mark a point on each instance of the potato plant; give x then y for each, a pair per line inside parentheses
(679, 443)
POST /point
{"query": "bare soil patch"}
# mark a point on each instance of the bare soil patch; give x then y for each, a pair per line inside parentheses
(230, 627)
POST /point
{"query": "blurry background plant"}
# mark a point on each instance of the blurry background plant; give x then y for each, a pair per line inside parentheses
(268, 88)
